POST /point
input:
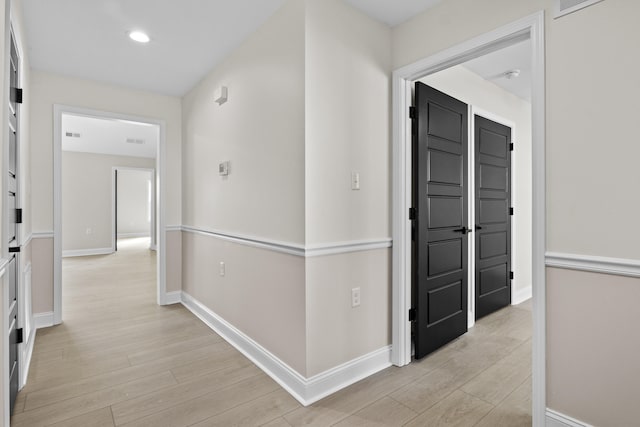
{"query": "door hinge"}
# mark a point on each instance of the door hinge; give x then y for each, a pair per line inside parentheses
(14, 249)
(16, 95)
(412, 314)
(18, 216)
(511, 275)
(412, 213)
(510, 211)
(413, 113)
(511, 146)
(19, 336)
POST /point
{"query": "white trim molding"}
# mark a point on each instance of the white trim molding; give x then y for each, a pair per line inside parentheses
(594, 264)
(42, 235)
(521, 295)
(173, 228)
(304, 390)
(530, 27)
(86, 252)
(173, 297)
(323, 249)
(556, 419)
(43, 320)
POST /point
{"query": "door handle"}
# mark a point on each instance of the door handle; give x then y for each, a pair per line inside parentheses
(463, 230)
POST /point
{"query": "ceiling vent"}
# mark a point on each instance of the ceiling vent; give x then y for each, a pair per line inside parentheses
(72, 134)
(135, 141)
(564, 7)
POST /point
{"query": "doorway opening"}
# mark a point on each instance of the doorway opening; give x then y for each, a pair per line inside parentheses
(133, 205)
(529, 30)
(88, 146)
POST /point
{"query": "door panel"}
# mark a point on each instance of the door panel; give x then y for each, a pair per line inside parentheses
(440, 199)
(493, 222)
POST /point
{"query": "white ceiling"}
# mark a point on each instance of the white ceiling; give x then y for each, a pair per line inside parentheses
(105, 136)
(88, 38)
(492, 67)
(392, 12)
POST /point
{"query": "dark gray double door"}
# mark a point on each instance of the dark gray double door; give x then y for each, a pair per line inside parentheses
(440, 227)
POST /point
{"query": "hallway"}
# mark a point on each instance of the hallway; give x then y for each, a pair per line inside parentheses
(119, 359)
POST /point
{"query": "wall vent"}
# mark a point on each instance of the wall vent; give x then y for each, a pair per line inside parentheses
(135, 141)
(72, 134)
(564, 7)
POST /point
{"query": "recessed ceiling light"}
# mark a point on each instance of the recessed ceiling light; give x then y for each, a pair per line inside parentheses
(139, 36)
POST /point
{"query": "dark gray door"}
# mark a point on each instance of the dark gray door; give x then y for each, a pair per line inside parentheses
(440, 226)
(493, 219)
(12, 269)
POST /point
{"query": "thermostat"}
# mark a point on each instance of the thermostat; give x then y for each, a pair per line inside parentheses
(223, 169)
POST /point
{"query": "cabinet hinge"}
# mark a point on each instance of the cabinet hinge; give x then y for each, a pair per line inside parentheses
(413, 113)
(16, 95)
(19, 336)
(412, 213)
(14, 249)
(510, 211)
(511, 146)
(412, 314)
(511, 275)
(18, 216)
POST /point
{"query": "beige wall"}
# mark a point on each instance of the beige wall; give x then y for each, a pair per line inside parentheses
(48, 89)
(262, 293)
(42, 275)
(593, 340)
(259, 130)
(87, 181)
(591, 174)
(337, 332)
(472, 89)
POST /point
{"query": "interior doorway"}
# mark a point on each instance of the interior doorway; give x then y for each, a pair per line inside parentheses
(531, 29)
(133, 205)
(95, 141)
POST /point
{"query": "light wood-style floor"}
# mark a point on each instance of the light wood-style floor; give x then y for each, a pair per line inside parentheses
(119, 359)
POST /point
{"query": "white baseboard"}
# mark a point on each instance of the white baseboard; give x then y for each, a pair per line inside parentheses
(305, 390)
(556, 419)
(132, 235)
(87, 252)
(521, 296)
(173, 297)
(43, 320)
(26, 361)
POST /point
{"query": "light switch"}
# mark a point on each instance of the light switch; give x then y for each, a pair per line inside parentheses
(223, 169)
(355, 181)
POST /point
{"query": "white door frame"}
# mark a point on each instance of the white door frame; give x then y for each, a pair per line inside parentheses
(58, 111)
(531, 27)
(114, 211)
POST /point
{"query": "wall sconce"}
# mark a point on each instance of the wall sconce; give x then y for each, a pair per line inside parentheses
(220, 95)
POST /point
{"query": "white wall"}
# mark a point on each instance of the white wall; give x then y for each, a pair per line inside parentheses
(259, 130)
(463, 84)
(134, 204)
(591, 182)
(87, 182)
(347, 102)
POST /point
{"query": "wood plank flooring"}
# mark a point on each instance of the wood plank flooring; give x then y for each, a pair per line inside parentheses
(119, 359)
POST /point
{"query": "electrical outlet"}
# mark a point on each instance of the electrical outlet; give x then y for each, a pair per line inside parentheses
(222, 269)
(355, 181)
(355, 297)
